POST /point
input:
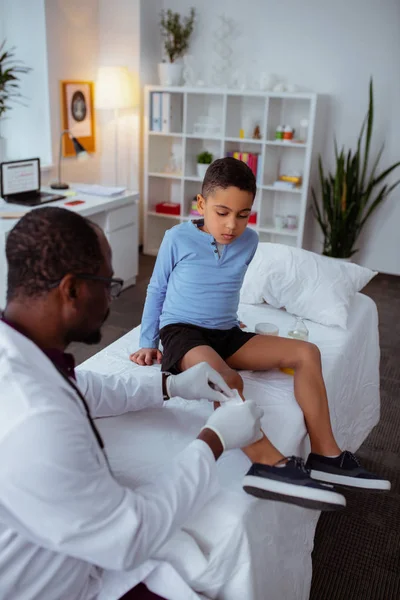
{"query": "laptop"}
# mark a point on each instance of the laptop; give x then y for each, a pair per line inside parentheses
(20, 183)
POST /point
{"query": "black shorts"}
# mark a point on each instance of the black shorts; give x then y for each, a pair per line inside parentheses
(177, 339)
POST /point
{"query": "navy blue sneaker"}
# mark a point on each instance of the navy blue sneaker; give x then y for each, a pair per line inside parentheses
(291, 483)
(344, 470)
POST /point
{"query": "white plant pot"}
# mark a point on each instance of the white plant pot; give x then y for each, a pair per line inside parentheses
(201, 170)
(170, 74)
(347, 260)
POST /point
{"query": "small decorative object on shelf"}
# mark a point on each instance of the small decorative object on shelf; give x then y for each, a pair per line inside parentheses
(279, 221)
(168, 208)
(284, 185)
(176, 34)
(241, 134)
(204, 160)
(279, 132)
(288, 133)
(256, 133)
(253, 218)
(299, 331)
(174, 166)
(303, 131)
(267, 81)
(294, 177)
(206, 125)
(291, 221)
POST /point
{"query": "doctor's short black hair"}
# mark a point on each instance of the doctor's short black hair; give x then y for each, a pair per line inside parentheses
(45, 245)
(228, 172)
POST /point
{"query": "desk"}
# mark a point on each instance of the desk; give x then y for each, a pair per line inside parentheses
(116, 215)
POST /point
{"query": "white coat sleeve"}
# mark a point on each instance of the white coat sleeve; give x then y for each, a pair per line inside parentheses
(111, 395)
(57, 491)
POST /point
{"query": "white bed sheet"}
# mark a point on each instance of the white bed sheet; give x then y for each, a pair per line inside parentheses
(238, 546)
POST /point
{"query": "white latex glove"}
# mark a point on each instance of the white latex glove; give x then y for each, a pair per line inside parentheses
(198, 383)
(237, 424)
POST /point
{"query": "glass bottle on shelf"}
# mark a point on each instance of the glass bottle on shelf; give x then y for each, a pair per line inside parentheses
(299, 330)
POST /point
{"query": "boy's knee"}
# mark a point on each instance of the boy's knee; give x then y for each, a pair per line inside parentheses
(233, 379)
(310, 353)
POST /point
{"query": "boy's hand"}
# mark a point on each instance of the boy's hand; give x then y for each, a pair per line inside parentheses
(146, 356)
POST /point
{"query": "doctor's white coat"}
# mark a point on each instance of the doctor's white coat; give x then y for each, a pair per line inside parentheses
(68, 529)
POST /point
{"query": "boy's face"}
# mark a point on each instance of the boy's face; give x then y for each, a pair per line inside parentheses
(226, 213)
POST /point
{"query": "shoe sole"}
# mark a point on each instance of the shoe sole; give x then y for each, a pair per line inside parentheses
(351, 482)
(270, 489)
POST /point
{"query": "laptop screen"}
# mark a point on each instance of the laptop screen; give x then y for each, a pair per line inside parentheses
(20, 176)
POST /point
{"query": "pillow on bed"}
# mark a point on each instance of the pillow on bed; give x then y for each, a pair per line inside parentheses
(308, 285)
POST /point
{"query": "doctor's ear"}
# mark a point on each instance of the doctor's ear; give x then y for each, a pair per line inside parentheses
(72, 291)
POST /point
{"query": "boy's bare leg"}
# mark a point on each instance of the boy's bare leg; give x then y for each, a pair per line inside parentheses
(262, 451)
(261, 353)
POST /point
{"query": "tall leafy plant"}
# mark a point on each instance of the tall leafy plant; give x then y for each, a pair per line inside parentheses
(352, 193)
(176, 32)
(10, 71)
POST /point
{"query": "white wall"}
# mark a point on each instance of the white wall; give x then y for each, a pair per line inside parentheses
(331, 48)
(26, 126)
(119, 29)
(72, 53)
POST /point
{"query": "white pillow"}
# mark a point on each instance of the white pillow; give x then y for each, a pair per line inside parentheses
(308, 285)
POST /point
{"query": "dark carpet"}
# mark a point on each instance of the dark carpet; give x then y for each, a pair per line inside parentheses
(357, 551)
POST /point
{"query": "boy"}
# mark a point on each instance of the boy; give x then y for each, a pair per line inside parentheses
(191, 305)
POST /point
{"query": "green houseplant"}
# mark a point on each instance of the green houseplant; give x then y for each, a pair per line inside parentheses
(10, 71)
(176, 32)
(204, 159)
(352, 192)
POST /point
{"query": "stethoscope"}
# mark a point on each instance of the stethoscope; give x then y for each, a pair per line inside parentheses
(83, 399)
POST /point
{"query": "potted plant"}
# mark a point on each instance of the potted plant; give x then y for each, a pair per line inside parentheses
(176, 33)
(10, 70)
(204, 159)
(352, 192)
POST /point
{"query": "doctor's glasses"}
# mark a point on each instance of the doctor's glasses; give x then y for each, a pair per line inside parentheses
(114, 285)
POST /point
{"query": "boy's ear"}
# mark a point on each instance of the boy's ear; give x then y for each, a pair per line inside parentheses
(200, 203)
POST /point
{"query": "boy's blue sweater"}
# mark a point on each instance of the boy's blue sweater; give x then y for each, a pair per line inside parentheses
(192, 284)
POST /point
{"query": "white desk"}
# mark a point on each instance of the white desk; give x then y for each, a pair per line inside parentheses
(116, 215)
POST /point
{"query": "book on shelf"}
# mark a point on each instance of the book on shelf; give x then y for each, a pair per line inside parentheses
(252, 160)
(171, 112)
(165, 112)
(155, 111)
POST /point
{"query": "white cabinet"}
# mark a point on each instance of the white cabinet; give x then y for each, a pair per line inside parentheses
(117, 216)
(222, 121)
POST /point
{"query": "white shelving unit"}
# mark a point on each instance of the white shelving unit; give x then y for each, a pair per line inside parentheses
(233, 110)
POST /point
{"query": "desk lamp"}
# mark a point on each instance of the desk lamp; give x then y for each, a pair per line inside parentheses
(80, 153)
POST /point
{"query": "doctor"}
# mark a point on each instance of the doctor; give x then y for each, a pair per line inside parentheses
(64, 520)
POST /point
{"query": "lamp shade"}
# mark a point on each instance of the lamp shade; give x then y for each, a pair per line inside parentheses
(116, 89)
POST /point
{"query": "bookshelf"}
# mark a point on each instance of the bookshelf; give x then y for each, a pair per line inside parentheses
(226, 113)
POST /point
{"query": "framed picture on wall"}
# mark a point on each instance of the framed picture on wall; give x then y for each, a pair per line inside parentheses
(77, 115)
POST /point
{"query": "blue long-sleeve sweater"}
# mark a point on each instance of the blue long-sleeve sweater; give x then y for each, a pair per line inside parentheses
(192, 284)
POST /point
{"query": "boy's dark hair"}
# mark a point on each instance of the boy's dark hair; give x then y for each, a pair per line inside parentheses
(228, 172)
(45, 245)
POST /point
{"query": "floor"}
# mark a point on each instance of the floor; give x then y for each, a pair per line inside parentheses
(357, 551)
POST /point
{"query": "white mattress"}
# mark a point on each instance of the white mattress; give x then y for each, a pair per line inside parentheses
(238, 546)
